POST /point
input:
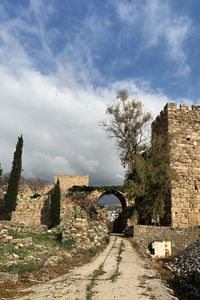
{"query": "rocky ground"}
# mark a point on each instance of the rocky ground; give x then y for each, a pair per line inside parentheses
(186, 267)
(28, 257)
(117, 273)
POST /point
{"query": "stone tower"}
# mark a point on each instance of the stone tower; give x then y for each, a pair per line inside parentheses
(183, 125)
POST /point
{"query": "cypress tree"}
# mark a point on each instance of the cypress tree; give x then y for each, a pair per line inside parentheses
(0, 175)
(55, 205)
(13, 184)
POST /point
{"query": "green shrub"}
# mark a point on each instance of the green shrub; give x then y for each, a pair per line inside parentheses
(21, 268)
(69, 244)
(91, 238)
(135, 245)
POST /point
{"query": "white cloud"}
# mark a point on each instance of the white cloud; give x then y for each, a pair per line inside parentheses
(57, 113)
(158, 24)
(59, 126)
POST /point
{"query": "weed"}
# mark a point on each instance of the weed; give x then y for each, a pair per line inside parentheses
(98, 272)
(121, 248)
(119, 259)
(95, 275)
(69, 243)
(21, 268)
(106, 240)
(91, 238)
(135, 245)
(114, 276)
(92, 251)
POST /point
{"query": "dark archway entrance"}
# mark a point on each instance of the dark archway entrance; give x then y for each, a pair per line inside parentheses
(115, 206)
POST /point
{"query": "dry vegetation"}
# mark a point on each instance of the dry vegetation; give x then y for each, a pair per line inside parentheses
(45, 246)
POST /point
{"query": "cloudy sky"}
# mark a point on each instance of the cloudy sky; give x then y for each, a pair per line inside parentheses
(62, 62)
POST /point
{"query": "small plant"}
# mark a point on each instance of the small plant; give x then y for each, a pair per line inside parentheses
(106, 240)
(21, 268)
(119, 259)
(114, 277)
(69, 244)
(121, 248)
(135, 245)
(95, 275)
(93, 251)
(91, 238)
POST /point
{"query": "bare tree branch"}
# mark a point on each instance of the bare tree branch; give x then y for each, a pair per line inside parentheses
(126, 123)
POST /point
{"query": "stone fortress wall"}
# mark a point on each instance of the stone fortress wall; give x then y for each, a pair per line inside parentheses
(183, 126)
(37, 210)
(180, 238)
(67, 181)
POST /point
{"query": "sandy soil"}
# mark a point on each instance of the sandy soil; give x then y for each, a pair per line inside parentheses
(108, 277)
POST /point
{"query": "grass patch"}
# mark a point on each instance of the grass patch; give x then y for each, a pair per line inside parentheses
(114, 276)
(119, 259)
(69, 243)
(91, 238)
(106, 239)
(135, 245)
(10, 250)
(121, 248)
(33, 269)
(21, 268)
(95, 275)
(51, 241)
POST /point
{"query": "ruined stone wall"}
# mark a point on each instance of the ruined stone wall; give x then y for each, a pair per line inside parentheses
(37, 210)
(180, 237)
(32, 211)
(183, 126)
(67, 181)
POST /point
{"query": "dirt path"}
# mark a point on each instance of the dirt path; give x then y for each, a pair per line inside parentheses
(117, 273)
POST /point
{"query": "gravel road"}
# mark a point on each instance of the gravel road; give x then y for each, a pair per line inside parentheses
(117, 273)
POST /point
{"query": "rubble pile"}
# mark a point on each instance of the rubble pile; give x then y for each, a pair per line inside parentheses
(24, 250)
(22, 226)
(84, 232)
(186, 267)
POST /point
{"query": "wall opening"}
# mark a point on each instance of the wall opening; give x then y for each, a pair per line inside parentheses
(114, 204)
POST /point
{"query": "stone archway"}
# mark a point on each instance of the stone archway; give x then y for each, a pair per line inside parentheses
(87, 197)
(121, 221)
(118, 195)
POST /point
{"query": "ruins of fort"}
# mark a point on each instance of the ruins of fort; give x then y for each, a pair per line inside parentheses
(182, 126)
(183, 203)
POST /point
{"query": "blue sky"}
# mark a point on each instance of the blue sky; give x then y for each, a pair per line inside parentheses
(62, 62)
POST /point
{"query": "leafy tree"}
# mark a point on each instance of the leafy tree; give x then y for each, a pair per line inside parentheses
(36, 184)
(150, 183)
(127, 124)
(55, 205)
(13, 184)
(148, 172)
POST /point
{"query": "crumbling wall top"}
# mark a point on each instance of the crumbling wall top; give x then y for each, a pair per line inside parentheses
(67, 181)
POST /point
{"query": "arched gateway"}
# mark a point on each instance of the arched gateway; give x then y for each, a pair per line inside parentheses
(74, 191)
(89, 195)
(119, 222)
